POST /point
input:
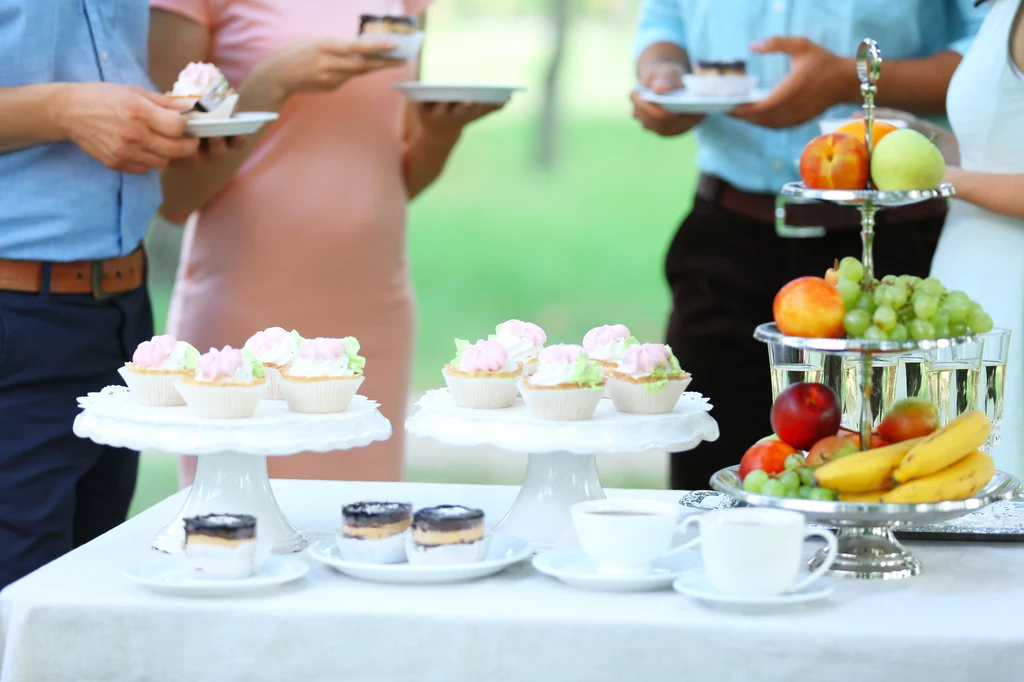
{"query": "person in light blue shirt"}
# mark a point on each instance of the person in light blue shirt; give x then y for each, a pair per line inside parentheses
(81, 137)
(727, 260)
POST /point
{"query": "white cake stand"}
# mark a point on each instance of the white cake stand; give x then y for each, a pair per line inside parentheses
(232, 473)
(562, 466)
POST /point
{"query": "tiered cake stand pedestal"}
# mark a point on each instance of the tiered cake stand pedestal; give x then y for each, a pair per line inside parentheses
(232, 472)
(562, 466)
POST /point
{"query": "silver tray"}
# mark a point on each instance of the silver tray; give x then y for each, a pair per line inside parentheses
(769, 333)
(859, 197)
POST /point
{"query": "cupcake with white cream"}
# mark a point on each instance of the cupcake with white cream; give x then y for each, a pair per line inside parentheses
(523, 340)
(227, 384)
(155, 367)
(275, 348)
(482, 376)
(606, 344)
(648, 380)
(566, 386)
(194, 82)
(324, 376)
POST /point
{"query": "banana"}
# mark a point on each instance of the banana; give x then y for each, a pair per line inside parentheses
(935, 452)
(863, 472)
(873, 496)
(957, 482)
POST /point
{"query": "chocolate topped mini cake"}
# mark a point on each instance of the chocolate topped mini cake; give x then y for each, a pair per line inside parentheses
(221, 545)
(374, 532)
(374, 23)
(720, 68)
(404, 32)
(447, 534)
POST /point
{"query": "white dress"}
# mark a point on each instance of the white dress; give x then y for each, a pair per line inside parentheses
(980, 252)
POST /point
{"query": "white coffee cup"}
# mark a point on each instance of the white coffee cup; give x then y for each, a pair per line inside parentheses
(625, 536)
(757, 552)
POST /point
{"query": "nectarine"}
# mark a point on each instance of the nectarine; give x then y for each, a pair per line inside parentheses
(879, 129)
(835, 161)
(810, 307)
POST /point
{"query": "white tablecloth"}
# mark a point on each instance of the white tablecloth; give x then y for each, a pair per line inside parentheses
(78, 619)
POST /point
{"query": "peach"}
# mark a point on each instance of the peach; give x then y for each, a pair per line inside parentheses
(879, 129)
(835, 161)
(810, 307)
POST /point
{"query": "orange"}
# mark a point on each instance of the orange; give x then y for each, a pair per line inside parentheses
(879, 129)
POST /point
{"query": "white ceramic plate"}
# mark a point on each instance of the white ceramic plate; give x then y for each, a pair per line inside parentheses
(457, 92)
(573, 567)
(685, 102)
(695, 584)
(169, 574)
(242, 123)
(504, 551)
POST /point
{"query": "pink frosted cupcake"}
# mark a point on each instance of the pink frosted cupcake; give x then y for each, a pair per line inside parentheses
(275, 349)
(228, 384)
(566, 385)
(324, 376)
(648, 380)
(523, 341)
(482, 376)
(606, 344)
(155, 366)
(195, 81)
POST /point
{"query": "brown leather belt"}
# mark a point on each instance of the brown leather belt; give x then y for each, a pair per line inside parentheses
(761, 208)
(100, 278)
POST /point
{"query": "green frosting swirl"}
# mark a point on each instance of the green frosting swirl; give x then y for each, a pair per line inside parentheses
(460, 345)
(355, 361)
(297, 338)
(664, 374)
(629, 341)
(191, 359)
(586, 373)
(257, 366)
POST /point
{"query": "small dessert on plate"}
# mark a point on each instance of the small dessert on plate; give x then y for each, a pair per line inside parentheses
(324, 376)
(482, 376)
(567, 385)
(374, 532)
(648, 380)
(403, 31)
(447, 534)
(523, 341)
(606, 344)
(227, 384)
(196, 80)
(719, 79)
(222, 545)
(154, 368)
(275, 348)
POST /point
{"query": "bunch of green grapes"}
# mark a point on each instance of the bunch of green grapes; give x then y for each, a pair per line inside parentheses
(905, 307)
(797, 481)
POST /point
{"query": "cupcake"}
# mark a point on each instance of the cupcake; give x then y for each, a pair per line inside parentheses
(648, 380)
(324, 376)
(275, 348)
(523, 341)
(195, 81)
(448, 534)
(222, 545)
(155, 367)
(566, 386)
(607, 344)
(482, 376)
(374, 532)
(227, 384)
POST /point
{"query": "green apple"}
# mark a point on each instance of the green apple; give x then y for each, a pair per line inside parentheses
(905, 160)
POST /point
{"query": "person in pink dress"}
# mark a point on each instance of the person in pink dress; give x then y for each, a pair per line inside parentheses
(304, 228)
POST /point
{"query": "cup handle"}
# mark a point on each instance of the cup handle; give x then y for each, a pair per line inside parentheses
(830, 557)
(685, 525)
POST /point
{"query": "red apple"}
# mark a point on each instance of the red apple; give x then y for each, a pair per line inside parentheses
(810, 307)
(909, 418)
(767, 455)
(829, 448)
(805, 413)
(835, 161)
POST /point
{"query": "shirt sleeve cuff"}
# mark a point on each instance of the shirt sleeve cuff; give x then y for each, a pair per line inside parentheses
(962, 45)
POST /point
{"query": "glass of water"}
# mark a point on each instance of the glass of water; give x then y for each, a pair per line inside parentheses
(883, 389)
(910, 377)
(793, 365)
(993, 380)
(952, 378)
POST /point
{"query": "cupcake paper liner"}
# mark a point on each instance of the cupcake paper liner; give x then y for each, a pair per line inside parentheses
(222, 401)
(407, 45)
(153, 388)
(561, 404)
(530, 366)
(390, 550)
(319, 396)
(223, 563)
(225, 110)
(637, 398)
(274, 390)
(481, 393)
(461, 553)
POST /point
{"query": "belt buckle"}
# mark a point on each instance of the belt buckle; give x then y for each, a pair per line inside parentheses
(97, 281)
(792, 231)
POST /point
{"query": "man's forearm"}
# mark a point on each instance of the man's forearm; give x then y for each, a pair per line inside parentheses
(917, 85)
(30, 115)
(660, 53)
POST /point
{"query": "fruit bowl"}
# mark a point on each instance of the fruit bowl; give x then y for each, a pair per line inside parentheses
(769, 333)
(867, 547)
(858, 197)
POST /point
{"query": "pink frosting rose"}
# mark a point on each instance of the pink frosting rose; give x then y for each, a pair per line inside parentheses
(151, 354)
(484, 356)
(321, 349)
(202, 74)
(605, 334)
(645, 358)
(266, 339)
(525, 330)
(219, 364)
(561, 353)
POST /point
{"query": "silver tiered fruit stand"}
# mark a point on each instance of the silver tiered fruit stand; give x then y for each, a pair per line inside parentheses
(867, 547)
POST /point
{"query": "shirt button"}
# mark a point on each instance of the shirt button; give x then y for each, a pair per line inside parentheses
(103, 55)
(777, 163)
(779, 7)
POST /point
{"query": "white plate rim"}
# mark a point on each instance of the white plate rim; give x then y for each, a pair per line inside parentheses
(298, 568)
(808, 594)
(697, 101)
(404, 568)
(239, 117)
(420, 85)
(543, 563)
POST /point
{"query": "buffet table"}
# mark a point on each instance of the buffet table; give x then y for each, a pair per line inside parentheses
(80, 619)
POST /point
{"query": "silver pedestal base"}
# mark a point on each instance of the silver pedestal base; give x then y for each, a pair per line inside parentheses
(869, 553)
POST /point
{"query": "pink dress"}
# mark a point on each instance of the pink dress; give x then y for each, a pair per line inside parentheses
(310, 233)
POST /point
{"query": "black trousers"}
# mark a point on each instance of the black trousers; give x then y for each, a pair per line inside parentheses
(724, 271)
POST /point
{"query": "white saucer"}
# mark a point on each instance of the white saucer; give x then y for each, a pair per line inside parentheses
(573, 567)
(457, 92)
(685, 102)
(242, 123)
(168, 573)
(695, 584)
(504, 551)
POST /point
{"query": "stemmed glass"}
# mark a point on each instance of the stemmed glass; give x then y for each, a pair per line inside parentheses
(993, 378)
(952, 378)
(793, 365)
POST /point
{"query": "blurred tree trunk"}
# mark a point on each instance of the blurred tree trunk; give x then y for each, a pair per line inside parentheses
(549, 119)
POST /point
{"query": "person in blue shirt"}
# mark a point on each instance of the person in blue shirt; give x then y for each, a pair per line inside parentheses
(81, 135)
(727, 260)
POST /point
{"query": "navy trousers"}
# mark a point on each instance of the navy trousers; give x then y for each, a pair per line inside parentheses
(58, 491)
